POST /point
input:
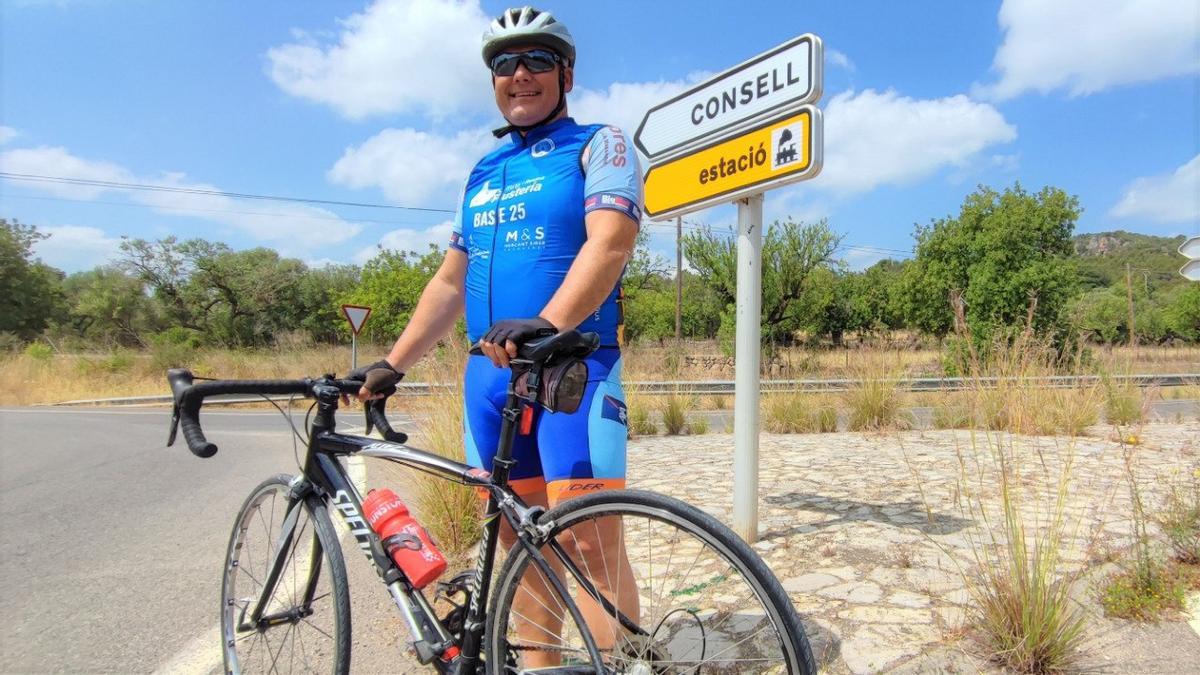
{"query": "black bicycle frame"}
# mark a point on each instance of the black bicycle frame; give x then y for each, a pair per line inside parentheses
(325, 477)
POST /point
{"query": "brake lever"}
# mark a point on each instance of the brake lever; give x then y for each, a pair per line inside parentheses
(379, 403)
(174, 425)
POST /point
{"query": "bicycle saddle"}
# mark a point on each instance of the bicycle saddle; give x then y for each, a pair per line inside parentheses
(567, 344)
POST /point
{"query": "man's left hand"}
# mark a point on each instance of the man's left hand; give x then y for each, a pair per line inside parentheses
(501, 341)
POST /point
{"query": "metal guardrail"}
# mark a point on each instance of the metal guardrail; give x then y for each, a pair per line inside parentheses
(768, 386)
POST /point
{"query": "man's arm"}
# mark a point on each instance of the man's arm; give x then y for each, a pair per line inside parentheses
(440, 305)
(601, 260)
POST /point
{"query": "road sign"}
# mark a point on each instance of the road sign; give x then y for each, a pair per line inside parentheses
(1191, 249)
(763, 156)
(786, 76)
(356, 315)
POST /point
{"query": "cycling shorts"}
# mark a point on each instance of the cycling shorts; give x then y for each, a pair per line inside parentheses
(565, 455)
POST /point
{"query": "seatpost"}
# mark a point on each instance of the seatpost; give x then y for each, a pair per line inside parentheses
(511, 415)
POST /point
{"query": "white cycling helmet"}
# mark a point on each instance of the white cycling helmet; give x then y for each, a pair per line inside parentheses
(526, 26)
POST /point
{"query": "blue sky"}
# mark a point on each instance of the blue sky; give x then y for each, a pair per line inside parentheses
(388, 103)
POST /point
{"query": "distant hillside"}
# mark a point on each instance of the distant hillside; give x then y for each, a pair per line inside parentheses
(1102, 258)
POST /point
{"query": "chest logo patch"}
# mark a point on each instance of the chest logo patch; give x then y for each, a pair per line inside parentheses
(542, 148)
(485, 195)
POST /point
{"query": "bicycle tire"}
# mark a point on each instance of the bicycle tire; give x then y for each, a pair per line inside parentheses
(696, 639)
(247, 559)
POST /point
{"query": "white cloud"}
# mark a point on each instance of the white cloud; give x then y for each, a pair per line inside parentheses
(1085, 46)
(624, 104)
(395, 56)
(7, 134)
(839, 59)
(875, 138)
(72, 248)
(413, 168)
(409, 240)
(48, 161)
(1172, 198)
(293, 227)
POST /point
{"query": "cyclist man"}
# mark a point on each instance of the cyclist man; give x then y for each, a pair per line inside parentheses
(545, 226)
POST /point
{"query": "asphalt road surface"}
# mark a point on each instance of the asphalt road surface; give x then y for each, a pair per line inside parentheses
(113, 544)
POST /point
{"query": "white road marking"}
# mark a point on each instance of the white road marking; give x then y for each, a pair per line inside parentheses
(201, 656)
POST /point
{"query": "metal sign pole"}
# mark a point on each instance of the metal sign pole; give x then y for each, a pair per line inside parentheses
(353, 350)
(746, 367)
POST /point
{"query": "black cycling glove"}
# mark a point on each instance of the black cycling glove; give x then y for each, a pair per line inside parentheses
(519, 330)
(378, 377)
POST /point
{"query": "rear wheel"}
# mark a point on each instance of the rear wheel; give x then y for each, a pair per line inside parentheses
(306, 626)
(694, 596)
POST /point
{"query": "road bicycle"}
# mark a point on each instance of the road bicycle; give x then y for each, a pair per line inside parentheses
(704, 601)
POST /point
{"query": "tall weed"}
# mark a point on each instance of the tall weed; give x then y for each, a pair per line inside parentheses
(449, 511)
(794, 413)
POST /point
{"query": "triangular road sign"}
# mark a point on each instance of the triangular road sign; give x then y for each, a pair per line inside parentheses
(356, 315)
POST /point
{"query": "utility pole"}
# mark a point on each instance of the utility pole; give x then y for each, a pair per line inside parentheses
(1129, 295)
(679, 278)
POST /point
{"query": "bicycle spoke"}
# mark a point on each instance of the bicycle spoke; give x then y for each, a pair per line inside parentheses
(313, 643)
(314, 627)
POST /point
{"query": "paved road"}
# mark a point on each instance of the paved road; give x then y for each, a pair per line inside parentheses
(113, 544)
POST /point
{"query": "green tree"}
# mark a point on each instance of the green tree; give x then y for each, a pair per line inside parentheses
(391, 285)
(233, 298)
(875, 298)
(321, 291)
(107, 305)
(1005, 253)
(30, 291)
(792, 251)
(1182, 311)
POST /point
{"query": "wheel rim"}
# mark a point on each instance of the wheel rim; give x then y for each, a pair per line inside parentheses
(703, 610)
(305, 642)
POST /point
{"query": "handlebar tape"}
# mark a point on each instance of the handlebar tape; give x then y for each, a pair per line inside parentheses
(192, 397)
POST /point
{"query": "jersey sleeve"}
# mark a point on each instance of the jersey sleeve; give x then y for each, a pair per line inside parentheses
(613, 179)
(456, 232)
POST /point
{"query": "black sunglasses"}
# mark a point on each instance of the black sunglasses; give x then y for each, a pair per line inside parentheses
(535, 60)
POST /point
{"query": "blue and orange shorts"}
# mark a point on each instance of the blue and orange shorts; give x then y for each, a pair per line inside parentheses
(564, 455)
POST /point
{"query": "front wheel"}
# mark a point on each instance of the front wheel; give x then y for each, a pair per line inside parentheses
(306, 621)
(680, 593)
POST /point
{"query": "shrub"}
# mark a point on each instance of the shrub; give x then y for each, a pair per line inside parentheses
(1023, 602)
(698, 425)
(39, 351)
(1144, 591)
(174, 348)
(874, 404)
(952, 416)
(791, 413)
(640, 423)
(116, 363)
(1122, 403)
(10, 342)
(674, 413)
(1180, 520)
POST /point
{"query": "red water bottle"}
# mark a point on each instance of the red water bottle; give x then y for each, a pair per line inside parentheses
(403, 537)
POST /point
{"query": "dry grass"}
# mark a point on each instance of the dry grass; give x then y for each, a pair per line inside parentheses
(875, 399)
(797, 413)
(449, 511)
(26, 380)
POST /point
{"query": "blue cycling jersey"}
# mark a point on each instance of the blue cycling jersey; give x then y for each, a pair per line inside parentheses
(521, 220)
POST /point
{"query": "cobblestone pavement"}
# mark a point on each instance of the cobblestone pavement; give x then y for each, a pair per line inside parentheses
(873, 535)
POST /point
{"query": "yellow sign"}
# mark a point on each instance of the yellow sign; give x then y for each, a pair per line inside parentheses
(774, 152)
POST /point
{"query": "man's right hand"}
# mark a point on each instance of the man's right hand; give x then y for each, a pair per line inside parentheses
(379, 379)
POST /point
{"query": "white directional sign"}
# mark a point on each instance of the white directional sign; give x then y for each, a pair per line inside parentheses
(1191, 249)
(786, 76)
(356, 315)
